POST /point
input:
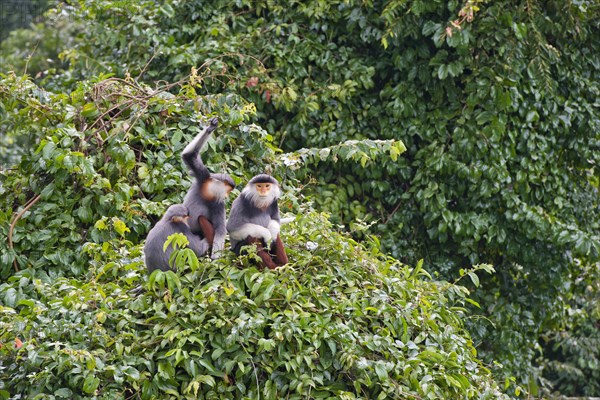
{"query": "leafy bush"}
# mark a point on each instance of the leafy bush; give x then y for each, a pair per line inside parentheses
(99, 160)
(571, 362)
(103, 158)
(14, 15)
(342, 321)
(496, 103)
(37, 51)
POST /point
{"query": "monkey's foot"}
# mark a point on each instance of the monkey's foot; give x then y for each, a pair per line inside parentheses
(267, 261)
(278, 252)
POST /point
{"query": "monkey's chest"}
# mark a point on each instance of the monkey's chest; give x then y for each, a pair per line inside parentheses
(259, 218)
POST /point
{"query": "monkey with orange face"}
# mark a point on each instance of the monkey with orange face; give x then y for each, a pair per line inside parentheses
(254, 220)
(205, 199)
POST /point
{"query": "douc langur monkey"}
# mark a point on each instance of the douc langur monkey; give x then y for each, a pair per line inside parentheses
(205, 199)
(254, 220)
(174, 221)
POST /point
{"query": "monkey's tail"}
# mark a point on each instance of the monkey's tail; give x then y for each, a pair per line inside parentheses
(286, 220)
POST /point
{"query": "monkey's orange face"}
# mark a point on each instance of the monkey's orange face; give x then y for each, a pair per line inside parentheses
(263, 189)
(180, 218)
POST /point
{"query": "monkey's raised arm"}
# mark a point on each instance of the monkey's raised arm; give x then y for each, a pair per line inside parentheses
(190, 153)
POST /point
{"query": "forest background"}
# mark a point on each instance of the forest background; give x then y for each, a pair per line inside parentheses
(443, 134)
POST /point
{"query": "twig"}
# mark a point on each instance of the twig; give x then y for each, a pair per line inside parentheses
(137, 118)
(147, 64)
(29, 204)
(29, 57)
(392, 213)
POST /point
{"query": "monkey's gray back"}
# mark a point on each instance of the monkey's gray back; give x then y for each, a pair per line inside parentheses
(154, 255)
(196, 206)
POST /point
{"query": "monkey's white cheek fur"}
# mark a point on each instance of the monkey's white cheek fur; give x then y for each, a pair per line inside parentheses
(218, 189)
(261, 201)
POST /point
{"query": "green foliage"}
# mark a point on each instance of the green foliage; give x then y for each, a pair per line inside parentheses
(37, 51)
(363, 151)
(341, 321)
(21, 14)
(101, 159)
(496, 103)
(572, 360)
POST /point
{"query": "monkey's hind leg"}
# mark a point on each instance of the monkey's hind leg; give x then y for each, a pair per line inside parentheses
(264, 255)
(208, 231)
(278, 251)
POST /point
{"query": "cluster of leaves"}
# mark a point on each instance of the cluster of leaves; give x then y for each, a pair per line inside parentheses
(19, 14)
(341, 321)
(37, 51)
(101, 159)
(572, 361)
(498, 115)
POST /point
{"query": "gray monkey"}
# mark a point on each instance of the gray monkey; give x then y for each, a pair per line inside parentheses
(174, 221)
(254, 219)
(205, 199)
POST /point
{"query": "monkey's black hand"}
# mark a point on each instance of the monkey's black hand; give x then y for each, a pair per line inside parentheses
(213, 124)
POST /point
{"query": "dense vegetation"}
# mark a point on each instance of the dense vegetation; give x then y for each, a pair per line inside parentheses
(496, 103)
(20, 14)
(342, 321)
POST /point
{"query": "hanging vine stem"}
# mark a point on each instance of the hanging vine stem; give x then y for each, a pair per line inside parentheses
(28, 205)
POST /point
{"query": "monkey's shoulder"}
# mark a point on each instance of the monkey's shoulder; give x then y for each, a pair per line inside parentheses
(162, 230)
(199, 206)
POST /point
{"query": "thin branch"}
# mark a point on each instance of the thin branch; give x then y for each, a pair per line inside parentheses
(29, 204)
(29, 57)
(147, 65)
(389, 217)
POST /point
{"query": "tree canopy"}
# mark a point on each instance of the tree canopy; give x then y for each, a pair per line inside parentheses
(81, 317)
(495, 103)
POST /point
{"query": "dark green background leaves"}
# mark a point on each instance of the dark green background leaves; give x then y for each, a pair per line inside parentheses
(499, 119)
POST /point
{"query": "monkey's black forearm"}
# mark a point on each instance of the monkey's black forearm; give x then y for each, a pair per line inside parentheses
(190, 153)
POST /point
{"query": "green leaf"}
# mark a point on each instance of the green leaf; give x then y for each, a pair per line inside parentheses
(532, 116)
(90, 110)
(442, 72)
(120, 226)
(381, 371)
(474, 278)
(90, 384)
(64, 393)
